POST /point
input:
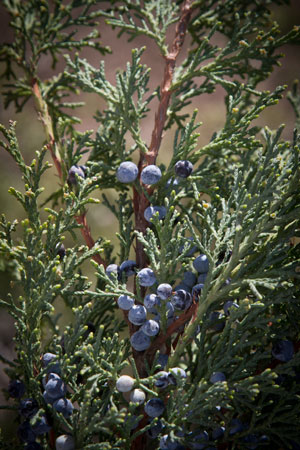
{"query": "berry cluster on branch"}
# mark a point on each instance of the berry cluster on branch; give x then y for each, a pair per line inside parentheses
(189, 337)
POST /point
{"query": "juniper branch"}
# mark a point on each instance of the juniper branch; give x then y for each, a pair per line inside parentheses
(140, 201)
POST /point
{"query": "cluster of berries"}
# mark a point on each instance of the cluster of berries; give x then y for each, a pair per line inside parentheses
(34, 424)
(155, 406)
(199, 439)
(151, 174)
(164, 301)
(55, 388)
(54, 394)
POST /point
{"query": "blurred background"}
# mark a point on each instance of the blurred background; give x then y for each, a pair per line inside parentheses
(31, 136)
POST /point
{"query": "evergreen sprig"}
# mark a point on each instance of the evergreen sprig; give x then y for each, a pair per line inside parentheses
(222, 369)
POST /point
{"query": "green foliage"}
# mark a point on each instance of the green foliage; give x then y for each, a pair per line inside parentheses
(239, 207)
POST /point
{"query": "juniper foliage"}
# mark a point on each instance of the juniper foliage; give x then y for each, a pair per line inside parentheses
(247, 229)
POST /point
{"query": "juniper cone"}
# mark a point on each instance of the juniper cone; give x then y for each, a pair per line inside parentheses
(137, 314)
(16, 388)
(125, 302)
(65, 442)
(150, 327)
(112, 268)
(183, 169)
(125, 383)
(164, 291)
(151, 174)
(154, 407)
(63, 406)
(140, 341)
(137, 396)
(75, 172)
(152, 211)
(150, 254)
(127, 172)
(128, 267)
(146, 277)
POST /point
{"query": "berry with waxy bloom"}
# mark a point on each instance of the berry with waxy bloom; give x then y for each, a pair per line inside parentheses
(55, 387)
(199, 440)
(189, 278)
(127, 172)
(217, 324)
(137, 314)
(150, 327)
(125, 302)
(63, 406)
(65, 442)
(140, 341)
(155, 430)
(162, 360)
(151, 210)
(41, 426)
(183, 168)
(28, 407)
(228, 305)
(112, 268)
(125, 383)
(16, 388)
(201, 264)
(196, 291)
(162, 379)
(151, 174)
(154, 407)
(218, 433)
(47, 398)
(236, 426)
(49, 360)
(189, 248)
(172, 184)
(137, 396)
(60, 251)
(146, 277)
(164, 291)
(176, 372)
(182, 286)
(251, 441)
(166, 443)
(201, 278)
(74, 172)
(132, 422)
(168, 307)
(150, 301)
(25, 432)
(181, 300)
(128, 267)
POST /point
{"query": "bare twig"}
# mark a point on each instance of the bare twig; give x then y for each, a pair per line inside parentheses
(45, 117)
(43, 112)
(165, 91)
(86, 233)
